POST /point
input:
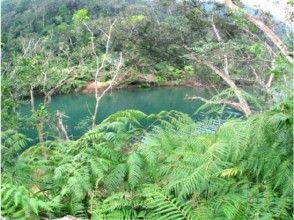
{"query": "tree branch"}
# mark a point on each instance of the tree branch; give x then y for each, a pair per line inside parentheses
(225, 58)
(235, 105)
(264, 28)
(100, 67)
(242, 105)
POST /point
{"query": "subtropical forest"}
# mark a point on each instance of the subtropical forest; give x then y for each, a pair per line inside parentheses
(145, 109)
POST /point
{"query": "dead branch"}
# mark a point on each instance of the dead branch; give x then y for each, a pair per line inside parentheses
(113, 79)
(270, 80)
(235, 105)
(264, 28)
(66, 79)
(266, 86)
(32, 99)
(29, 46)
(60, 127)
(100, 67)
(243, 105)
(99, 97)
(225, 58)
(271, 51)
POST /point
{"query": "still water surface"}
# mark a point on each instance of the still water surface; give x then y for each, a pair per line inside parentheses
(148, 100)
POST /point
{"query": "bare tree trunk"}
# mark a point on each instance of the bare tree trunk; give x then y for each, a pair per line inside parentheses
(269, 82)
(265, 86)
(100, 67)
(32, 99)
(99, 97)
(29, 46)
(40, 124)
(265, 29)
(155, 15)
(243, 105)
(219, 39)
(60, 127)
(39, 119)
(40, 129)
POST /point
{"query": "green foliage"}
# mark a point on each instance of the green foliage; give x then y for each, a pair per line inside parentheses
(165, 72)
(228, 94)
(10, 118)
(281, 66)
(135, 19)
(81, 15)
(239, 18)
(256, 49)
(189, 69)
(152, 37)
(133, 165)
(161, 205)
(17, 202)
(161, 166)
(12, 143)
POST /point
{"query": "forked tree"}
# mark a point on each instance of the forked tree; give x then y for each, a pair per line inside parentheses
(101, 60)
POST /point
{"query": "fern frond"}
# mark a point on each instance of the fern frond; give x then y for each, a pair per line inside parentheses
(163, 206)
(113, 181)
(135, 169)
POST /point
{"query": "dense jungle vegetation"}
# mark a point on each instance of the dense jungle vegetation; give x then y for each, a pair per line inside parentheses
(133, 165)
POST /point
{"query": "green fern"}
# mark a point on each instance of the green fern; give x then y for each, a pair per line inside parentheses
(161, 166)
(18, 203)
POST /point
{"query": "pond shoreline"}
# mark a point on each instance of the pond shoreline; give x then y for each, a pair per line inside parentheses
(101, 86)
(89, 88)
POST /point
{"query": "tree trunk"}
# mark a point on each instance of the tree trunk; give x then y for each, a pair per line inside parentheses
(243, 105)
(32, 99)
(271, 35)
(39, 120)
(40, 129)
(264, 28)
(60, 127)
(99, 67)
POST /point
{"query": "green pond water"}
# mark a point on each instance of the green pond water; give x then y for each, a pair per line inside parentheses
(148, 100)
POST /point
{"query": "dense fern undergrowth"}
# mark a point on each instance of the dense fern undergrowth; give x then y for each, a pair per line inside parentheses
(161, 166)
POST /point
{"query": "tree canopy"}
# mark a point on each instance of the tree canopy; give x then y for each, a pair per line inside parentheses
(138, 166)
